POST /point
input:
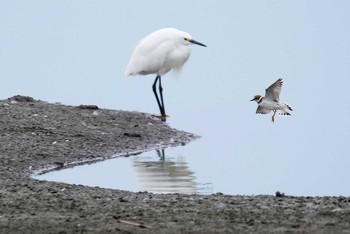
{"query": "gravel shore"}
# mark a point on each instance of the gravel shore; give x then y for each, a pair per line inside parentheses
(37, 136)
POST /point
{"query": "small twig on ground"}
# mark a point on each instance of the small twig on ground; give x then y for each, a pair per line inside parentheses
(141, 225)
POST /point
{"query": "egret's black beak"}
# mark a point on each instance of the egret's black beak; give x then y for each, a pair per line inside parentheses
(196, 42)
(252, 99)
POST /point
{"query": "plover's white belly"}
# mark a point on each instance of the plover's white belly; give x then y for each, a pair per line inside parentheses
(271, 105)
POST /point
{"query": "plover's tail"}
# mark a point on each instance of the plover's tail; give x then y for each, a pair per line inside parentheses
(288, 106)
(285, 111)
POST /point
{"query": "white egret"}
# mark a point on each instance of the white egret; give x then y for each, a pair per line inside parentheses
(158, 53)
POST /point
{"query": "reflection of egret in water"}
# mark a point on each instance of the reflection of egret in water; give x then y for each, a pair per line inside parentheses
(164, 175)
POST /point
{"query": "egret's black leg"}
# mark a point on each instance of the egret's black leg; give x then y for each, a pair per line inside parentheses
(155, 94)
(161, 96)
(161, 154)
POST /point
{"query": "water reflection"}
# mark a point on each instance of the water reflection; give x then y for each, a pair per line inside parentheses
(149, 171)
(164, 174)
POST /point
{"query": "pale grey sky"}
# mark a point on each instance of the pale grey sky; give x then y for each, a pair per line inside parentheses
(75, 52)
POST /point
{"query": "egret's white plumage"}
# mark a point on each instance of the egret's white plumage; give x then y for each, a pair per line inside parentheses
(158, 53)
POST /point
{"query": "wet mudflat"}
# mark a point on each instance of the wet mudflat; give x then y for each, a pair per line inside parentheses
(37, 136)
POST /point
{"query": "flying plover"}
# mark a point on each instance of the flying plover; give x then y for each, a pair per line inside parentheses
(271, 101)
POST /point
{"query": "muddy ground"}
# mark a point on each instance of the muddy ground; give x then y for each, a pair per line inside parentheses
(37, 136)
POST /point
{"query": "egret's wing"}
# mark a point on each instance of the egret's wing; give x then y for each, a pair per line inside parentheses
(262, 110)
(148, 56)
(273, 92)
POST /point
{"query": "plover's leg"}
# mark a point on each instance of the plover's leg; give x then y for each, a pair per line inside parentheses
(273, 117)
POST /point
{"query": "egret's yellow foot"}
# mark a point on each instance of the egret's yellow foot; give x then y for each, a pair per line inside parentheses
(161, 117)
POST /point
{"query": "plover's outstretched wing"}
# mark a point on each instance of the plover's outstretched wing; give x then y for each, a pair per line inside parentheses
(273, 92)
(262, 110)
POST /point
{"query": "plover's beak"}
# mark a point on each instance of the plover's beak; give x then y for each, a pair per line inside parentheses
(252, 99)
